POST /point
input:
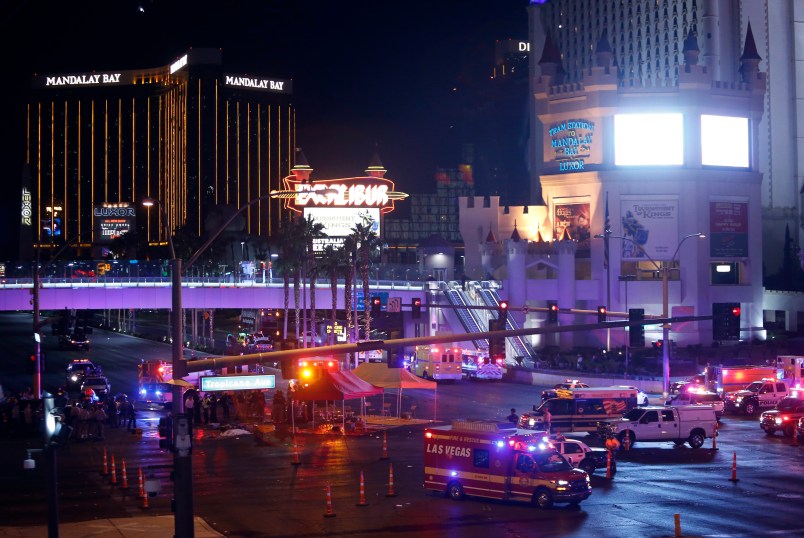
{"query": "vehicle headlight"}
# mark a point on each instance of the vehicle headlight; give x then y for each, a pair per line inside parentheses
(562, 482)
(531, 422)
(738, 399)
(778, 421)
(74, 378)
(143, 392)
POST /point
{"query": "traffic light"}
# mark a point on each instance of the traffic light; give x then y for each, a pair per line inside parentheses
(32, 363)
(376, 304)
(552, 312)
(396, 358)
(601, 314)
(725, 321)
(503, 314)
(497, 343)
(636, 334)
(165, 429)
(416, 308)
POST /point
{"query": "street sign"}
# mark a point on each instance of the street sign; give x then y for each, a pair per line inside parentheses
(394, 304)
(238, 382)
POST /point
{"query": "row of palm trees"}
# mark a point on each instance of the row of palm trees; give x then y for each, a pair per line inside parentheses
(298, 262)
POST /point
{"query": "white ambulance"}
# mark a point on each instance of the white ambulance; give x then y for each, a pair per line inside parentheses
(438, 362)
(499, 461)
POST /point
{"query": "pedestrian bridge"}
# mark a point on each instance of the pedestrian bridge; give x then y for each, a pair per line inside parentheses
(110, 293)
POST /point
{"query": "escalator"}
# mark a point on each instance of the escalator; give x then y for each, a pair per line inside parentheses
(465, 315)
(519, 344)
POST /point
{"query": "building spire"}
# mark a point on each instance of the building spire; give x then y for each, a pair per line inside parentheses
(749, 61)
(375, 167)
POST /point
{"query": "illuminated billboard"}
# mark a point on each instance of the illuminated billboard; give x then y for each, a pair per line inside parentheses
(728, 229)
(648, 139)
(650, 227)
(348, 192)
(112, 221)
(724, 141)
(339, 221)
(574, 218)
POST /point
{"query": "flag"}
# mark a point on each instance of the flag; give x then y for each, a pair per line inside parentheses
(606, 233)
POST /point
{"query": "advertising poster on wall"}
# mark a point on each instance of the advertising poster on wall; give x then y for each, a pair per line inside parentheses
(338, 223)
(574, 217)
(728, 227)
(651, 229)
(112, 222)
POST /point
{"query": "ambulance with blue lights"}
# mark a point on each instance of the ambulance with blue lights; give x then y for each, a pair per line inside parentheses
(498, 461)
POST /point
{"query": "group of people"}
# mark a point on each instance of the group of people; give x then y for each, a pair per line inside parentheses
(206, 409)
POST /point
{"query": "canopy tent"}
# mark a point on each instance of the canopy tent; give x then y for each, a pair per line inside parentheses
(380, 375)
(337, 386)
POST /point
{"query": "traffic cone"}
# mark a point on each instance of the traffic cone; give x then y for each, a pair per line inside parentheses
(384, 447)
(608, 465)
(329, 512)
(295, 453)
(105, 470)
(114, 473)
(677, 525)
(714, 438)
(734, 469)
(391, 482)
(362, 500)
(627, 440)
(124, 483)
(144, 500)
(142, 489)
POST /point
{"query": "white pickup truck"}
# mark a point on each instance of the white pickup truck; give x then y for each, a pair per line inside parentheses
(680, 424)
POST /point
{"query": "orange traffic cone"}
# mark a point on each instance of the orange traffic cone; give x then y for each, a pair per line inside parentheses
(362, 500)
(124, 484)
(627, 440)
(114, 472)
(295, 453)
(734, 469)
(144, 500)
(105, 469)
(391, 482)
(608, 464)
(714, 438)
(384, 447)
(141, 493)
(329, 512)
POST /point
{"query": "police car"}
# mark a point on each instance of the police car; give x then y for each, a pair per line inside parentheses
(582, 456)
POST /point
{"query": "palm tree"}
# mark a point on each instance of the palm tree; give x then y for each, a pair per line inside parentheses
(333, 263)
(309, 231)
(367, 243)
(288, 264)
(348, 250)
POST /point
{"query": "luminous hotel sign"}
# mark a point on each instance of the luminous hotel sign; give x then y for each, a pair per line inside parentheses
(83, 80)
(571, 141)
(348, 192)
(257, 83)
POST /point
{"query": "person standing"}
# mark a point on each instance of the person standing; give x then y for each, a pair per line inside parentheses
(205, 408)
(548, 419)
(189, 406)
(513, 418)
(131, 414)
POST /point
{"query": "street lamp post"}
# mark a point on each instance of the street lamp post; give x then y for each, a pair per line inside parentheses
(182, 460)
(664, 269)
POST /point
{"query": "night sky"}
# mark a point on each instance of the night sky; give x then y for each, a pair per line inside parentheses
(365, 74)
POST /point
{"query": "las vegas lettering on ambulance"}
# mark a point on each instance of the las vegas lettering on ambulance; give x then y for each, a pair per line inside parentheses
(499, 461)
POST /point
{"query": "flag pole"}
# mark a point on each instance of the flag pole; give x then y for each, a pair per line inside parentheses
(606, 233)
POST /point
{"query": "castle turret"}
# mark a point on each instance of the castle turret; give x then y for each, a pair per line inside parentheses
(301, 169)
(749, 61)
(487, 251)
(375, 167)
(517, 252)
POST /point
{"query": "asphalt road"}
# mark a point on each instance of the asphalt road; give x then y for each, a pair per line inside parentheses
(245, 487)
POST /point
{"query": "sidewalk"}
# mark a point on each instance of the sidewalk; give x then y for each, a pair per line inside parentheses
(156, 526)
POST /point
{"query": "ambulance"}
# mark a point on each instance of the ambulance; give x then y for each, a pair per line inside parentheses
(498, 461)
(438, 362)
(580, 409)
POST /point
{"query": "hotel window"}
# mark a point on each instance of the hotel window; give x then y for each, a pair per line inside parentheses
(728, 273)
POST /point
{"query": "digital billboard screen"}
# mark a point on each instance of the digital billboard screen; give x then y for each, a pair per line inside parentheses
(648, 139)
(339, 221)
(724, 141)
(112, 222)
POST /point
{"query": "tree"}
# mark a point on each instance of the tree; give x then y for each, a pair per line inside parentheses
(288, 264)
(310, 230)
(348, 250)
(333, 263)
(368, 244)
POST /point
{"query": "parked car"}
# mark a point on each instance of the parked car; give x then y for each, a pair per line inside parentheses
(260, 345)
(582, 456)
(568, 384)
(74, 340)
(699, 397)
(77, 370)
(784, 417)
(98, 383)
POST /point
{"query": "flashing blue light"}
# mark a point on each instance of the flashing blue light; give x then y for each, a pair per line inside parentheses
(453, 473)
(531, 448)
(500, 444)
(143, 391)
(159, 393)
